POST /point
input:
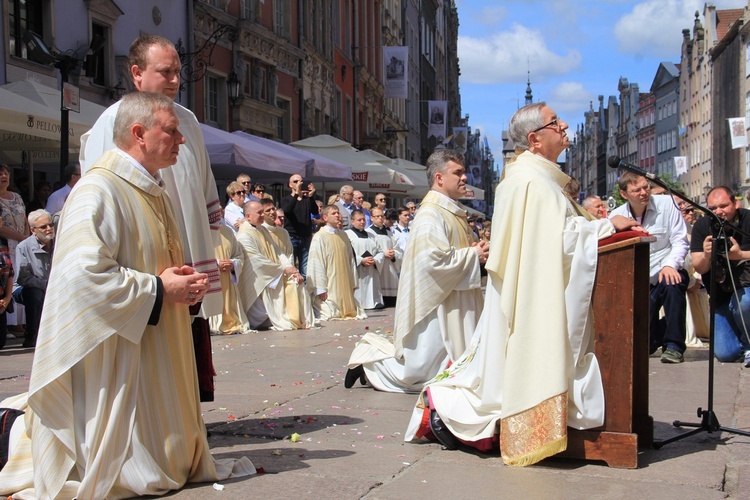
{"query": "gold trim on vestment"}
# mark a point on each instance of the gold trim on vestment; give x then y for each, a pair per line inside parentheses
(536, 433)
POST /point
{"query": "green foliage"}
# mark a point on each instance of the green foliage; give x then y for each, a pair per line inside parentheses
(667, 178)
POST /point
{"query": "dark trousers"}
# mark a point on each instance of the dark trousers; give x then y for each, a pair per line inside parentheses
(33, 300)
(669, 332)
(301, 248)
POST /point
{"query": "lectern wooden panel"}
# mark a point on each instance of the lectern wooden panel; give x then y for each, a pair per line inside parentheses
(621, 326)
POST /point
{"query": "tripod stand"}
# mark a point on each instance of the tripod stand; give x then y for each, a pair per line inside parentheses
(709, 421)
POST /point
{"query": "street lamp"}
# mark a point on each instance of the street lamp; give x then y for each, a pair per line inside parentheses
(706, 189)
(233, 88)
(66, 63)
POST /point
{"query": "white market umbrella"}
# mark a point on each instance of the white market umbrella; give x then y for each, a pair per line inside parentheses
(319, 168)
(231, 155)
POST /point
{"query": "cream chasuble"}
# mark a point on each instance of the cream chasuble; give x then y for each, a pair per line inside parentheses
(286, 303)
(191, 187)
(283, 241)
(530, 366)
(113, 409)
(439, 301)
(233, 318)
(331, 269)
(368, 292)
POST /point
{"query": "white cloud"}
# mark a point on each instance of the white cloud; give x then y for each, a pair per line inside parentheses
(654, 27)
(571, 97)
(502, 57)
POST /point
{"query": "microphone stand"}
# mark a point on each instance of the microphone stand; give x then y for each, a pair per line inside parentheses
(709, 421)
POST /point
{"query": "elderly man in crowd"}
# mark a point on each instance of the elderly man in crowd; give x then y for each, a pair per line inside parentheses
(359, 204)
(595, 206)
(439, 294)
(33, 264)
(283, 303)
(537, 301)
(71, 175)
(346, 205)
(669, 280)
(247, 186)
(155, 67)
(299, 209)
(97, 383)
(381, 201)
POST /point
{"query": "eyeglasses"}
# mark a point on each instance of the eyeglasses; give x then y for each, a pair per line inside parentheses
(554, 123)
(45, 226)
(238, 192)
(639, 190)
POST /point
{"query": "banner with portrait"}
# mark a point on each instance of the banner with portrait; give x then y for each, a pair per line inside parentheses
(680, 165)
(437, 114)
(395, 64)
(738, 132)
(460, 138)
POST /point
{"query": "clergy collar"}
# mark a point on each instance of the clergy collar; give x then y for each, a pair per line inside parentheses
(379, 230)
(360, 233)
(330, 229)
(137, 164)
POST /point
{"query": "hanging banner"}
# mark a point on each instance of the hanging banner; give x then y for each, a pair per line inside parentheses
(395, 62)
(460, 137)
(680, 165)
(437, 114)
(738, 132)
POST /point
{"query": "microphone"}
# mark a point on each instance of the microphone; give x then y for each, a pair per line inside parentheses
(616, 162)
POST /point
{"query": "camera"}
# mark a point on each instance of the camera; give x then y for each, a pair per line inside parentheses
(722, 246)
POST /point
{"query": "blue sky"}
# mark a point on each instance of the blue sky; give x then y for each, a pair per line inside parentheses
(575, 50)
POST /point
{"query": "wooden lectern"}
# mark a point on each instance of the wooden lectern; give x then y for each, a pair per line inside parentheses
(621, 332)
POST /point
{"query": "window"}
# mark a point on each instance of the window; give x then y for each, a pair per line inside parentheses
(97, 63)
(283, 123)
(336, 25)
(248, 10)
(24, 15)
(212, 99)
(279, 17)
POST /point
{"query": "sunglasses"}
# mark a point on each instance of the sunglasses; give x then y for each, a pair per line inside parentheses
(238, 192)
(259, 191)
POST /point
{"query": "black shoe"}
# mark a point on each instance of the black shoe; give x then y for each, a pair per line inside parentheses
(442, 433)
(352, 374)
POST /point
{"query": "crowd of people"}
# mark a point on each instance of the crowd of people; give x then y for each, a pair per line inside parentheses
(153, 256)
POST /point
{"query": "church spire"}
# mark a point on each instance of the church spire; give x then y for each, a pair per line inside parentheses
(529, 97)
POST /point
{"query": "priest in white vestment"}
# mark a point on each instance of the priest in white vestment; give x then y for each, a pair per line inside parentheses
(113, 406)
(369, 258)
(278, 233)
(331, 271)
(231, 259)
(155, 67)
(530, 371)
(392, 254)
(439, 293)
(283, 303)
